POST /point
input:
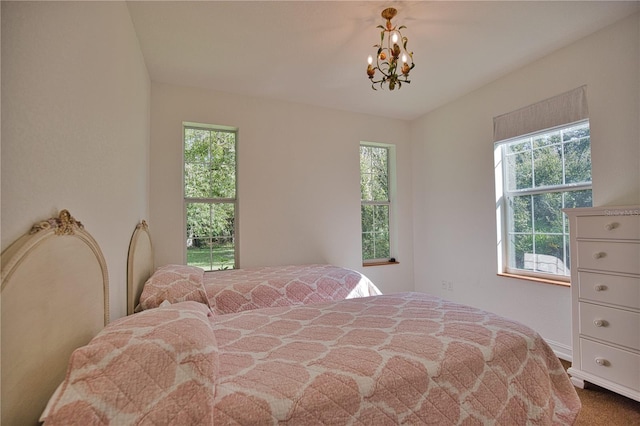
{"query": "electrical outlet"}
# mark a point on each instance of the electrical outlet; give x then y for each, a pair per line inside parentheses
(444, 285)
(450, 286)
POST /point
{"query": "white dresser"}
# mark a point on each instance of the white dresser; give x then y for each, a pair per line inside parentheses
(605, 295)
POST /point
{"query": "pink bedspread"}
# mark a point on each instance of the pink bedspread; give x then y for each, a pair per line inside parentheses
(406, 358)
(237, 290)
(394, 359)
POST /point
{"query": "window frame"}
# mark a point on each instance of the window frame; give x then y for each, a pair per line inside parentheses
(212, 200)
(503, 195)
(389, 202)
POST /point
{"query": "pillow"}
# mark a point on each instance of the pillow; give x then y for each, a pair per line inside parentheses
(156, 367)
(173, 283)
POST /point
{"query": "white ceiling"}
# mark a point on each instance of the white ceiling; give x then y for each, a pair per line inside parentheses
(315, 52)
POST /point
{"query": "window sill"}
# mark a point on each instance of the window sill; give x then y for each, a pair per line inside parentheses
(380, 263)
(535, 279)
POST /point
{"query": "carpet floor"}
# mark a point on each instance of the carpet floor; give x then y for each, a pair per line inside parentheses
(603, 407)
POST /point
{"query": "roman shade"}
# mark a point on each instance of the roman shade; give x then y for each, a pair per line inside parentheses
(559, 110)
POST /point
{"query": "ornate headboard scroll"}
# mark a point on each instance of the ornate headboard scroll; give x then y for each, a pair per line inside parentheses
(55, 298)
(64, 224)
(139, 264)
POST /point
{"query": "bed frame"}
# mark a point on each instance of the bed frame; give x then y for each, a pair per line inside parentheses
(55, 298)
(139, 264)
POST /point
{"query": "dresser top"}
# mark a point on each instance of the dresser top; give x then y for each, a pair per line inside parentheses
(631, 210)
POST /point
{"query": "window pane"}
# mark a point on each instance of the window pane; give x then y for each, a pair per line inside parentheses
(367, 218)
(210, 164)
(367, 246)
(522, 145)
(199, 253)
(547, 212)
(199, 220)
(577, 159)
(223, 253)
(196, 145)
(575, 199)
(365, 162)
(375, 232)
(547, 165)
(197, 181)
(381, 235)
(374, 179)
(522, 245)
(520, 214)
(580, 131)
(211, 235)
(381, 246)
(379, 169)
(223, 182)
(379, 190)
(381, 219)
(365, 185)
(368, 231)
(549, 254)
(546, 139)
(224, 146)
(223, 163)
(519, 171)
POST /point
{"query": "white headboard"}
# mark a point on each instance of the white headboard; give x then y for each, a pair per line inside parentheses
(55, 298)
(139, 264)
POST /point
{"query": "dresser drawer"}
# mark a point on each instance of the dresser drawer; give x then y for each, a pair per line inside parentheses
(609, 256)
(613, 364)
(612, 325)
(609, 227)
(613, 289)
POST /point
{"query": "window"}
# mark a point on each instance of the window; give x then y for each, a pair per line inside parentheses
(376, 204)
(541, 174)
(210, 196)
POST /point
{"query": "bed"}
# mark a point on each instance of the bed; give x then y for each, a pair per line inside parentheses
(391, 359)
(408, 358)
(236, 290)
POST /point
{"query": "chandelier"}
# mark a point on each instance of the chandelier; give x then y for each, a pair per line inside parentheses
(393, 61)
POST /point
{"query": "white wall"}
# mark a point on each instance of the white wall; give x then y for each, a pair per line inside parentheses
(453, 177)
(298, 180)
(75, 124)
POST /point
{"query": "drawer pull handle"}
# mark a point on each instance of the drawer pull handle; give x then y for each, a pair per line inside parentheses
(611, 226)
(602, 361)
(599, 255)
(600, 323)
(600, 287)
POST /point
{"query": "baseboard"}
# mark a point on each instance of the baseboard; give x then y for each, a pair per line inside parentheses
(561, 350)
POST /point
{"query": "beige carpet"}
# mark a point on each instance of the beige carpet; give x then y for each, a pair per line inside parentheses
(603, 407)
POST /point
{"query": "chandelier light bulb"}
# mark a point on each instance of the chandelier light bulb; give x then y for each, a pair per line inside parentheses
(370, 60)
(395, 37)
(404, 58)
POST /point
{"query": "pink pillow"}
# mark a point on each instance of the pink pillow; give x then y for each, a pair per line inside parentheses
(174, 283)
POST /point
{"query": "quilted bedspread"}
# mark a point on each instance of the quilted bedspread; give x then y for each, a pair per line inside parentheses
(407, 358)
(394, 359)
(238, 290)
